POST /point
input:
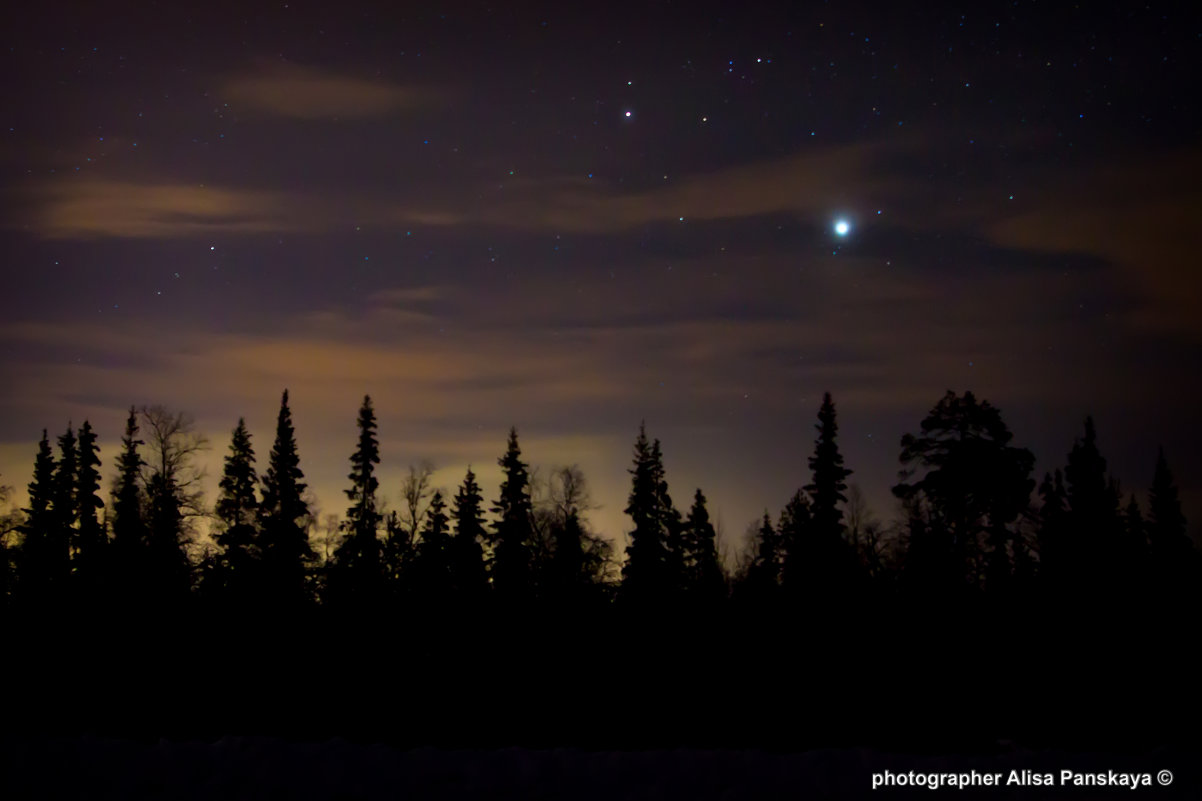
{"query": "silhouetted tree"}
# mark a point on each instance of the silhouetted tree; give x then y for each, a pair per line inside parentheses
(128, 552)
(172, 481)
(90, 539)
(43, 557)
(467, 552)
(511, 567)
(284, 516)
(1055, 555)
(706, 583)
(11, 521)
(1174, 562)
(66, 489)
(240, 555)
(1093, 525)
(357, 573)
(434, 565)
(975, 486)
(829, 481)
(654, 567)
(760, 582)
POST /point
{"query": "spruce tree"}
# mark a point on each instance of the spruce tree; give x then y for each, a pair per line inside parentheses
(237, 512)
(42, 563)
(1174, 563)
(1093, 522)
(284, 516)
(829, 475)
(706, 583)
(511, 563)
(127, 564)
(66, 481)
(1166, 526)
(357, 574)
(761, 580)
(90, 539)
(645, 576)
(795, 541)
(467, 554)
(434, 551)
(671, 527)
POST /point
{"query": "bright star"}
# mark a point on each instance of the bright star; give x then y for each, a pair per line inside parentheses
(842, 227)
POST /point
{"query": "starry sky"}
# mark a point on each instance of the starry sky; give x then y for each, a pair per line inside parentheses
(571, 218)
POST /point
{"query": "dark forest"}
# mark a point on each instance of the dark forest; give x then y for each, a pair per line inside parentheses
(1002, 606)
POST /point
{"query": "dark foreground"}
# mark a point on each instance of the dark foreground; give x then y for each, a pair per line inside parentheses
(259, 768)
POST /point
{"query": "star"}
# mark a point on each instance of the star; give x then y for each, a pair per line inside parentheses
(842, 227)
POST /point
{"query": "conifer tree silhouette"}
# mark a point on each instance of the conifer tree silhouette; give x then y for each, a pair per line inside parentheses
(1175, 563)
(434, 564)
(467, 552)
(649, 575)
(1055, 555)
(706, 583)
(237, 509)
(90, 539)
(65, 502)
(357, 575)
(284, 517)
(511, 564)
(127, 562)
(819, 564)
(42, 559)
(975, 486)
(761, 582)
(1093, 524)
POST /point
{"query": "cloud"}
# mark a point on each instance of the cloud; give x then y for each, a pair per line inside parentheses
(305, 93)
(105, 208)
(814, 182)
(1142, 217)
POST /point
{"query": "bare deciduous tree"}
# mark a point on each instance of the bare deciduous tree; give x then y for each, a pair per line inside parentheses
(416, 492)
(172, 447)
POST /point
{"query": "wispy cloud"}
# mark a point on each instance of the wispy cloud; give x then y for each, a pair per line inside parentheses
(306, 93)
(107, 208)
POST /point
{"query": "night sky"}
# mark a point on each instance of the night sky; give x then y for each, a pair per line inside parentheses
(571, 219)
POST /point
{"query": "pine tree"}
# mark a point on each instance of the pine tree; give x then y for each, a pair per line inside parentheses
(284, 516)
(237, 512)
(511, 564)
(358, 574)
(467, 553)
(90, 539)
(42, 563)
(975, 486)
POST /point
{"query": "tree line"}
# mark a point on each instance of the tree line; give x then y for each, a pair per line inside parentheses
(976, 528)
